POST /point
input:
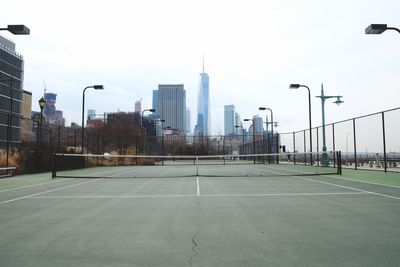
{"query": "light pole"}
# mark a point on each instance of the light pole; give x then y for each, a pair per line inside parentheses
(42, 104)
(296, 86)
(324, 159)
(96, 87)
(150, 110)
(162, 139)
(254, 138)
(16, 30)
(379, 28)
(141, 126)
(272, 128)
(240, 126)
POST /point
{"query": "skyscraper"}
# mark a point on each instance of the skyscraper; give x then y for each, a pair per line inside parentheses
(171, 105)
(203, 106)
(187, 120)
(53, 115)
(138, 106)
(155, 100)
(229, 119)
(238, 122)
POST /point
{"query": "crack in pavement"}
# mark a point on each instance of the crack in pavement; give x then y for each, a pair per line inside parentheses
(194, 246)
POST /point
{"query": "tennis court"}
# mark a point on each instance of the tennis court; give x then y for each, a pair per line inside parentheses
(278, 219)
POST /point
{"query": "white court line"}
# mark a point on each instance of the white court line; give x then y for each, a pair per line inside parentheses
(27, 186)
(360, 181)
(44, 192)
(349, 187)
(198, 186)
(342, 186)
(207, 195)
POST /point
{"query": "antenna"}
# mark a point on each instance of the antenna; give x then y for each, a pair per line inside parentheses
(44, 88)
(203, 63)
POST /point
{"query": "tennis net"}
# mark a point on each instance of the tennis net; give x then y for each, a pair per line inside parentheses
(146, 166)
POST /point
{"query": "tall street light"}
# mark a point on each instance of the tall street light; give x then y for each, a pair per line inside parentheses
(379, 28)
(17, 29)
(42, 104)
(272, 126)
(297, 86)
(96, 87)
(141, 120)
(240, 126)
(325, 160)
(254, 137)
(141, 125)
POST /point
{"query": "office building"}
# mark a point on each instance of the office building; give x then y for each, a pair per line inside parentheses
(187, 121)
(138, 106)
(11, 93)
(229, 119)
(155, 100)
(203, 126)
(171, 105)
(238, 122)
(53, 116)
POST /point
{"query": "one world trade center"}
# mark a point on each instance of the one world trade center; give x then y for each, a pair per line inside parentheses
(203, 106)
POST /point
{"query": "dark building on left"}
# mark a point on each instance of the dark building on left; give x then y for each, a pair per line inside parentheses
(11, 93)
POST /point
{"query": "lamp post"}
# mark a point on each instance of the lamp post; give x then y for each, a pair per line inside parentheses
(240, 126)
(324, 159)
(42, 104)
(254, 138)
(379, 28)
(96, 87)
(297, 86)
(272, 124)
(141, 126)
(141, 120)
(162, 139)
(16, 30)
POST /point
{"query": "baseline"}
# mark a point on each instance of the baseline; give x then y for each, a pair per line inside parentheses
(204, 195)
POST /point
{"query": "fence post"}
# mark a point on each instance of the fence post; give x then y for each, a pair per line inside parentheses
(58, 138)
(317, 147)
(333, 145)
(355, 144)
(8, 137)
(384, 141)
(75, 140)
(294, 148)
(305, 149)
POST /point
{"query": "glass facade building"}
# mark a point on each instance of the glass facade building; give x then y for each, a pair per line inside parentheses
(11, 92)
(171, 105)
(203, 106)
(229, 119)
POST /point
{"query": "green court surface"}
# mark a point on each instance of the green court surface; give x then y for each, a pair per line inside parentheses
(277, 220)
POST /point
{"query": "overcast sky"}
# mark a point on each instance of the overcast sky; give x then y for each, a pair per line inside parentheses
(253, 51)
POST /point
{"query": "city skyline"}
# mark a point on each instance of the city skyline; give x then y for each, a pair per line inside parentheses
(251, 63)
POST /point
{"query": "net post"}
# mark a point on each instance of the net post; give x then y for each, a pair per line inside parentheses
(53, 166)
(339, 162)
(197, 166)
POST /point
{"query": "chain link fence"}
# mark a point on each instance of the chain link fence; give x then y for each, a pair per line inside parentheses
(370, 142)
(366, 142)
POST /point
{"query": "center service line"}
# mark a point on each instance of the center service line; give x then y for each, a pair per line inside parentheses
(198, 186)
